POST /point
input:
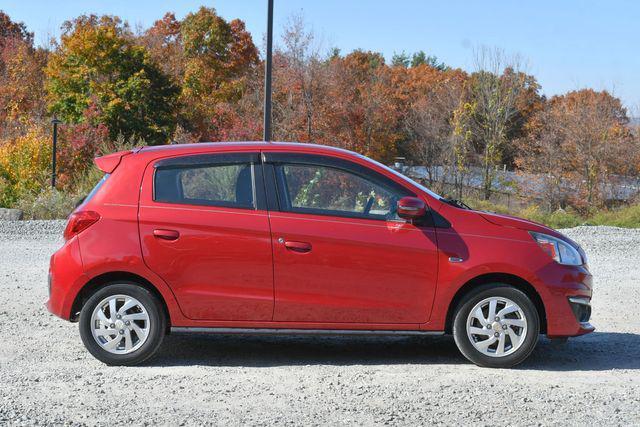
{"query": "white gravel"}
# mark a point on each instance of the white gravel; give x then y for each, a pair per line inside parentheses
(47, 377)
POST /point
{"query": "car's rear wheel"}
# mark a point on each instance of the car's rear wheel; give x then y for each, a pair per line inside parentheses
(122, 324)
(496, 326)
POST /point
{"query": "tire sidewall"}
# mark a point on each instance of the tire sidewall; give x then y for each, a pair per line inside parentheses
(496, 290)
(157, 323)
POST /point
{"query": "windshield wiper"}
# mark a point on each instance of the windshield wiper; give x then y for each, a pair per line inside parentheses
(457, 203)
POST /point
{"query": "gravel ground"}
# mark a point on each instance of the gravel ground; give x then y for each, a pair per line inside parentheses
(47, 377)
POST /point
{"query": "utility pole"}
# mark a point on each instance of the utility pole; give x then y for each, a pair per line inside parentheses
(55, 123)
(267, 74)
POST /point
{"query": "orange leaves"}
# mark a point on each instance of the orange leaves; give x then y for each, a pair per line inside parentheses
(364, 114)
(243, 54)
(215, 58)
(583, 142)
(200, 78)
(21, 83)
(13, 30)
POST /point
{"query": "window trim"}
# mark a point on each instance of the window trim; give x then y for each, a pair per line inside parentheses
(197, 161)
(278, 160)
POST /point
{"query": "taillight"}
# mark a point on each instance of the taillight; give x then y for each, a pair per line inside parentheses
(80, 221)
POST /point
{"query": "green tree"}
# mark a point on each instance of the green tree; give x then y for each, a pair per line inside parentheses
(98, 62)
(400, 60)
(421, 58)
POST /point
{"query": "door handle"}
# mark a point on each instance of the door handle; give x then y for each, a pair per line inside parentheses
(302, 247)
(166, 234)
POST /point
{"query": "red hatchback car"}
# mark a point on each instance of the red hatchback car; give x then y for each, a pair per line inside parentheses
(303, 239)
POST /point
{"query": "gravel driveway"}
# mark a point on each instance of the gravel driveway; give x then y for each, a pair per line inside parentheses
(47, 377)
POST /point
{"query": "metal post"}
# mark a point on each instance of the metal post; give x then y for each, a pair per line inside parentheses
(55, 122)
(267, 74)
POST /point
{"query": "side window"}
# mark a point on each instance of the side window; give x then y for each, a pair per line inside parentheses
(332, 191)
(228, 185)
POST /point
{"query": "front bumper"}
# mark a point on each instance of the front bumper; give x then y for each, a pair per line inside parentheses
(581, 308)
(568, 300)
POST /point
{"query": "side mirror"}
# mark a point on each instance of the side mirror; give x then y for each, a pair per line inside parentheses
(411, 208)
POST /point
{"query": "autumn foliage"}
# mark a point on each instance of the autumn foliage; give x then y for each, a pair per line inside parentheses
(200, 78)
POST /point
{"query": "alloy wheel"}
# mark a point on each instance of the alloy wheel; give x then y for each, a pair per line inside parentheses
(120, 324)
(496, 326)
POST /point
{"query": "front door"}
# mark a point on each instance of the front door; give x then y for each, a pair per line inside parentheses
(341, 255)
(204, 229)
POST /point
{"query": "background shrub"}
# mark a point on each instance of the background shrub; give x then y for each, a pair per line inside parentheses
(48, 204)
(24, 165)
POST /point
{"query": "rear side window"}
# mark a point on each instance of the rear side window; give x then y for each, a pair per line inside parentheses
(95, 189)
(223, 184)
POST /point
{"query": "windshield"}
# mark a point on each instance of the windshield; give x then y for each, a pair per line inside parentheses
(405, 178)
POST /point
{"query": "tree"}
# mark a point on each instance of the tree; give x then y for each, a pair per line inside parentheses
(363, 115)
(22, 94)
(21, 78)
(301, 77)
(24, 164)
(494, 90)
(98, 62)
(421, 58)
(400, 60)
(416, 59)
(78, 144)
(164, 43)
(433, 96)
(582, 144)
(219, 56)
(13, 30)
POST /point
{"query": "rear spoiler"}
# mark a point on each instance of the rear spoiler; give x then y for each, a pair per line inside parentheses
(110, 162)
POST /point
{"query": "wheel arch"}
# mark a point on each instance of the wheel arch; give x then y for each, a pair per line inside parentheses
(508, 279)
(97, 282)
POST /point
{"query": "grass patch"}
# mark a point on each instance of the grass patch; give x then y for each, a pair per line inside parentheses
(626, 217)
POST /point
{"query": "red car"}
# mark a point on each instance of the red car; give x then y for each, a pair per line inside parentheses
(304, 239)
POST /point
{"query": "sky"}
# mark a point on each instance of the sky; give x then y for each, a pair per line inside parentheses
(566, 44)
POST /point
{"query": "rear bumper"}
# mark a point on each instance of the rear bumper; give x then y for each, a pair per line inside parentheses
(66, 278)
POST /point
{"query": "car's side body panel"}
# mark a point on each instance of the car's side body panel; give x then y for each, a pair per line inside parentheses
(342, 278)
(221, 266)
(484, 248)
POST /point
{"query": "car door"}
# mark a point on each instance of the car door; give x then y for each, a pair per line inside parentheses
(341, 255)
(204, 229)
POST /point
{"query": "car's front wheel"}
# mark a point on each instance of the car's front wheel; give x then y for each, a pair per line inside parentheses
(496, 326)
(122, 324)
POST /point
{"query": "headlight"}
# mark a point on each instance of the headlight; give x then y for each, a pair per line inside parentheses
(561, 251)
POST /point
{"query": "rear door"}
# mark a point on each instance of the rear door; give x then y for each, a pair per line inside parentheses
(341, 255)
(204, 229)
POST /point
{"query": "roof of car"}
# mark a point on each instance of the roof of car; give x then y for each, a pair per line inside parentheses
(259, 145)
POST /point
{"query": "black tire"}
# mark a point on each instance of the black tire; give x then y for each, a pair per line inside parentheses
(463, 341)
(157, 324)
